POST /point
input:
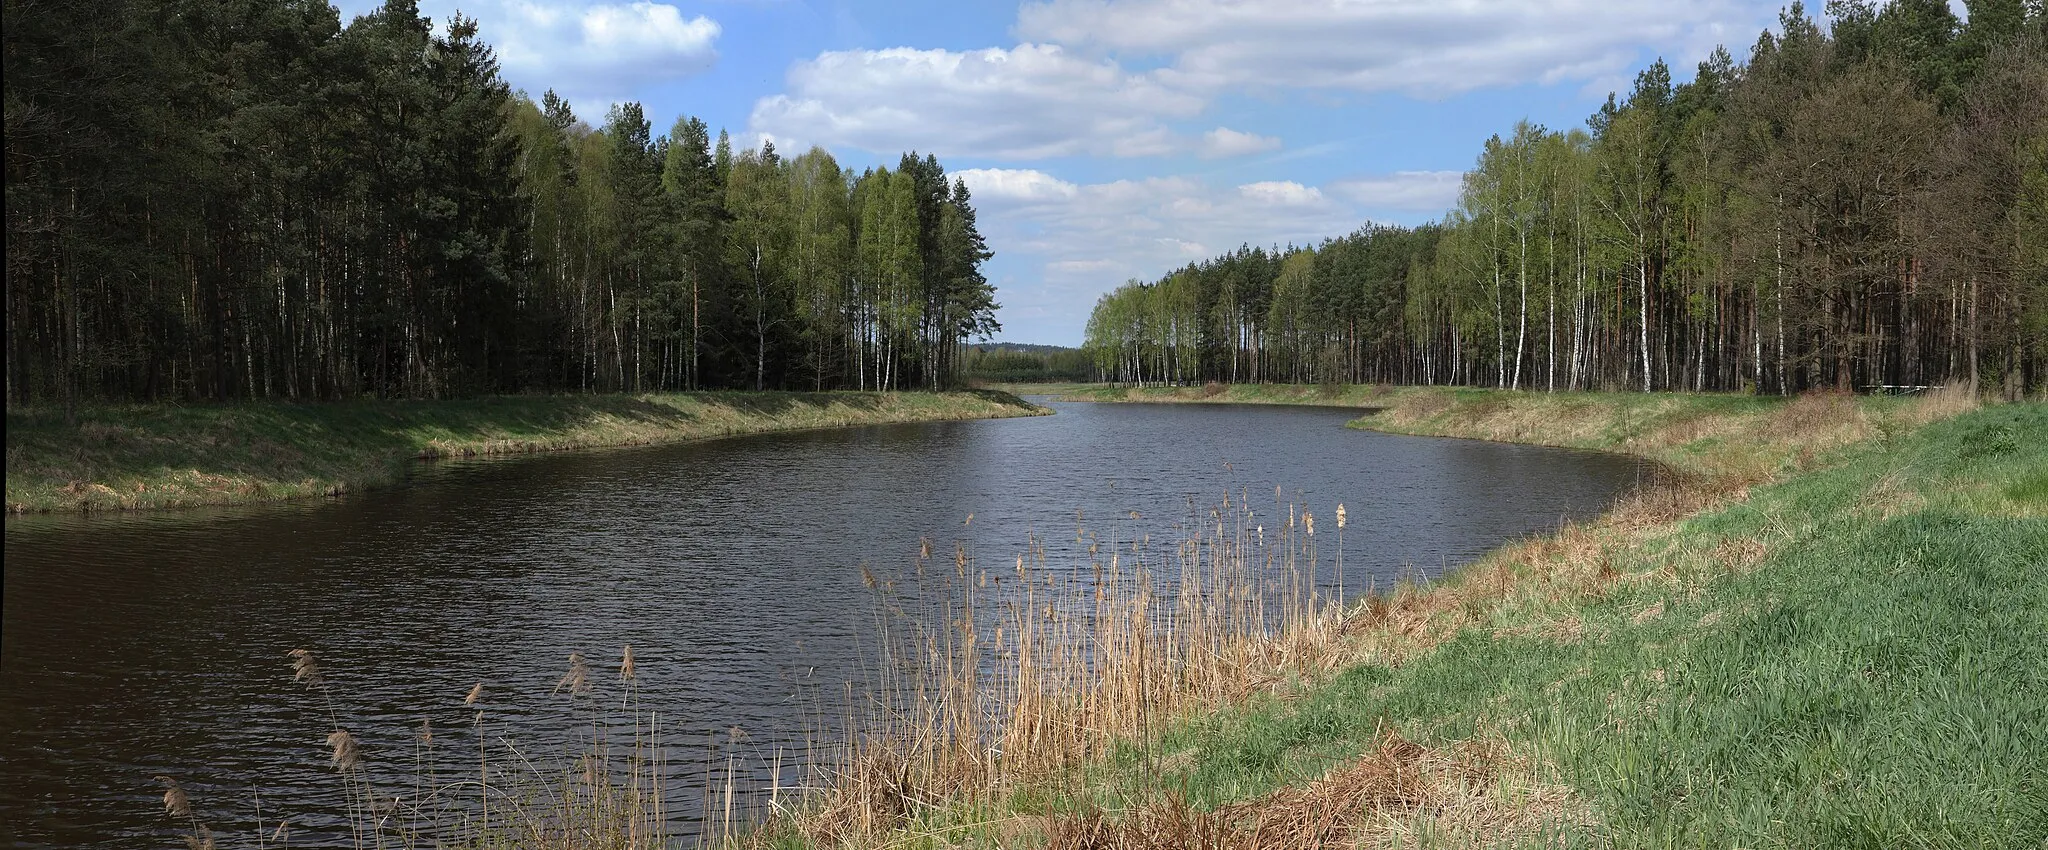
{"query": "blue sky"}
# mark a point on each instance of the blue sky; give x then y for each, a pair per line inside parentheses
(1112, 139)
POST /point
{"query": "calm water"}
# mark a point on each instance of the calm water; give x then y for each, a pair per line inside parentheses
(156, 644)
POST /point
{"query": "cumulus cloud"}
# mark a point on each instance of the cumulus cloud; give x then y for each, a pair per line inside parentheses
(1225, 142)
(1066, 242)
(1014, 185)
(1406, 191)
(1028, 102)
(603, 51)
(1281, 193)
(1423, 49)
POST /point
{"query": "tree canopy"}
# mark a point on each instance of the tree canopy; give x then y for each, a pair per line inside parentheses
(1861, 206)
(225, 199)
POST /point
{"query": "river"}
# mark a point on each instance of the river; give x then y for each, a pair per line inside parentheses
(148, 644)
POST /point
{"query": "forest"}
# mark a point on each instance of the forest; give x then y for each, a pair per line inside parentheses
(236, 199)
(1857, 206)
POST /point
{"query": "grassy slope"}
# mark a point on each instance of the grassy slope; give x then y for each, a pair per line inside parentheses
(166, 456)
(1855, 655)
(1853, 658)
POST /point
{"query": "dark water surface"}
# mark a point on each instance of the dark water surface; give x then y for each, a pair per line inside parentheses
(156, 643)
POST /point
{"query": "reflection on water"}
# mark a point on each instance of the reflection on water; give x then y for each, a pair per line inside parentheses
(156, 643)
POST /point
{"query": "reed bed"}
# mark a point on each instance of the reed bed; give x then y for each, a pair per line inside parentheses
(1004, 676)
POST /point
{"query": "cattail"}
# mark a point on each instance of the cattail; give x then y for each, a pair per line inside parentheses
(476, 692)
(577, 680)
(626, 669)
(1340, 516)
(305, 669)
(176, 804)
(347, 756)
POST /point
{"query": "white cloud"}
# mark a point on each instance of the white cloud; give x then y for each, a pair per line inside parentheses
(1225, 142)
(1081, 266)
(1027, 102)
(1406, 191)
(1285, 193)
(1008, 185)
(593, 51)
(1424, 49)
(1070, 242)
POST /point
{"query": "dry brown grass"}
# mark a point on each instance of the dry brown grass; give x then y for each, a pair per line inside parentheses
(1473, 793)
(1417, 406)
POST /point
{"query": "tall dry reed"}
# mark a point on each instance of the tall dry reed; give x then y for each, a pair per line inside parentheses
(1013, 674)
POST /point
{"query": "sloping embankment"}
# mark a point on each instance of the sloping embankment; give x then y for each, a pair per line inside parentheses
(158, 456)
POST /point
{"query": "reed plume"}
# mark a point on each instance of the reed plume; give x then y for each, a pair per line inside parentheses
(577, 680)
(347, 757)
(176, 804)
(305, 669)
(476, 692)
(627, 672)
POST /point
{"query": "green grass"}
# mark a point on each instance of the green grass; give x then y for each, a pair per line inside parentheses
(1878, 679)
(155, 456)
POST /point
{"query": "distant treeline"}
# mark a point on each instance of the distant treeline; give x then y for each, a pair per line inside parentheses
(214, 199)
(1025, 363)
(1862, 206)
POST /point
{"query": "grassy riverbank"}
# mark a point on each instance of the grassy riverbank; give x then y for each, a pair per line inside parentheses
(1335, 395)
(1830, 629)
(1721, 439)
(157, 456)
